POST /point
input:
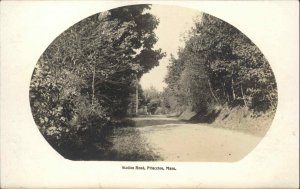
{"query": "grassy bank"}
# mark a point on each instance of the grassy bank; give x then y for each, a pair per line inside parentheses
(244, 120)
(238, 118)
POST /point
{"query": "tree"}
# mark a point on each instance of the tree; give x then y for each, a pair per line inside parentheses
(83, 80)
(220, 66)
(152, 99)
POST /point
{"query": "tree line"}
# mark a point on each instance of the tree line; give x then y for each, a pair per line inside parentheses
(219, 66)
(83, 82)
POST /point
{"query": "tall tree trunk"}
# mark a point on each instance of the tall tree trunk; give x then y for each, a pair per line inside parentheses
(136, 97)
(209, 84)
(223, 87)
(243, 96)
(93, 85)
(232, 87)
(225, 92)
(270, 99)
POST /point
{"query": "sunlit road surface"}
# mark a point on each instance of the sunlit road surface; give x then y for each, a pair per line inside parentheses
(174, 140)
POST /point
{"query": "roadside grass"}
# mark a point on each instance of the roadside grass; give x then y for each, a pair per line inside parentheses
(122, 142)
(128, 145)
(242, 120)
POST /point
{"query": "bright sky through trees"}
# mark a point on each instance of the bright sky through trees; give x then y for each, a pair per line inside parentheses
(174, 22)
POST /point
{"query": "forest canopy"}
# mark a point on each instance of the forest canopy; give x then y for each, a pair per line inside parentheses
(219, 66)
(83, 81)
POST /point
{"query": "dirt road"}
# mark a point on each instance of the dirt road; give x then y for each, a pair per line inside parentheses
(173, 140)
(159, 138)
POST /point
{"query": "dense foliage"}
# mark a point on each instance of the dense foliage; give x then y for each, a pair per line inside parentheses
(219, 66)
(83, 81)
(153, 100)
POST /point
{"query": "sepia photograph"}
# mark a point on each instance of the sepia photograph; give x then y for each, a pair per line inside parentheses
(153, 83)
(149, 94)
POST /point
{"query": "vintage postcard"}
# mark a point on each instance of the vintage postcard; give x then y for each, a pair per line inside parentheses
(149, 94)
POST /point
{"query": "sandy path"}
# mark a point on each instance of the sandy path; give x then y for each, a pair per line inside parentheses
(177, 141)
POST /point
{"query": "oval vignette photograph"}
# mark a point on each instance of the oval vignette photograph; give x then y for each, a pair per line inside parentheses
(153, 83)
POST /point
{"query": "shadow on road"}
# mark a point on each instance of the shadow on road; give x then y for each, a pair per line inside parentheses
(153, 120)
(145, 123)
